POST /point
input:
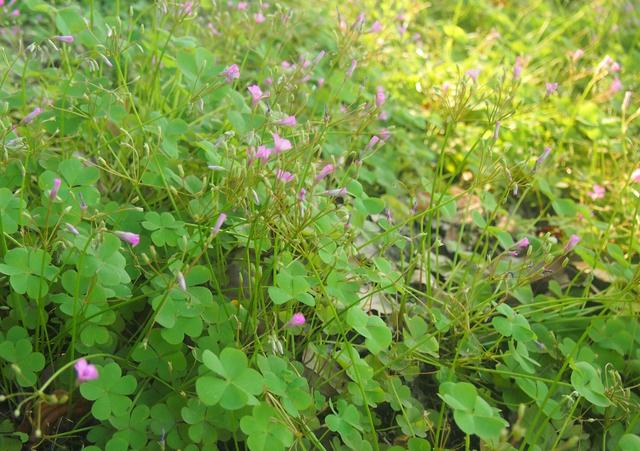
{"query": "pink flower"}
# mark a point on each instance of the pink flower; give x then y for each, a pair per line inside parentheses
(259, 17)
(445, 88)
(216, 228)
(242, 6)
(517, 67)
(376, 27)
(473, 74)
(380, 97)
(384, 134)
(572, 243)
(372, 142)
(616, 86)
(328, 169)
(268, 81)
(55, 188)
(302, 195)
(635, 176)
(186, 8)
(320, 82)
(280, 144)
(256, 94)
(551, 87)
(354, 63)
(31, 116)
(296, 320)
(132, 238)
(231, 73)
(214, 31)
(85, 371)
(383, 116)
(544, 156)
(286, 65)
(284, 176)
(523, 243)
(597, 193)
(319, 57)
(263, 153)
(615, 67)
(182, 283)
(289, 121)
(68, 39)
(576, 55)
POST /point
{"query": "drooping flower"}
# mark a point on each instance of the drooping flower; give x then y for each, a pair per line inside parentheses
(544, 156)
(259, 17)
(326, 170)
(627, 100)
(576, 55)
(182, 283)
(55, 188)
(284, 176)
(296, 320)
(372, 142)
(597, 192)
(65, 38)
(496, 131)
(517, 68)
(85, 371)
(376, 27)
(635, 176)
(216, 227)
(280, 144)
(231, 73)
(572, 243)
(268, 81)
(473, 74)
(380, 96)
(289, 121)
(31, 116)
(551, 87)
(354, 63)
(523, 243)
(72, 229)
(302, 195)
(384, 133)
(616, 86)
(256, 94)
(132, 238)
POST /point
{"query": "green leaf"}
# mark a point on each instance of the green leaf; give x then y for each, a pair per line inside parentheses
(586, 380)
(265, 430)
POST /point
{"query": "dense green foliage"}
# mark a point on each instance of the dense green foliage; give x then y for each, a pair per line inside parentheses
(380, 225)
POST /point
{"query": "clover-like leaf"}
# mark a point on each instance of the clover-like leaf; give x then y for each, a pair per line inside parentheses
(265, 431)
(24, 363)
(235, 385)
(377, 335)
(586, 380)
(165, 229)
(29, 271)
(109, 392)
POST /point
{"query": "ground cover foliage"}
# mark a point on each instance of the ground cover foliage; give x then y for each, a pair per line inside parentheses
(372, 225)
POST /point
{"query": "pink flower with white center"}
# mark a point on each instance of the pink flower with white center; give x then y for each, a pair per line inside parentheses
(354, 63)
(182, 283)
(380, 96)
(256, 94)
(341, 192)
(376, 27)
(280, 144)
(259, 18)
(523, 243)
(517, 68)
(635, 176)
(326, 170)
(551, 87)
(296, 320)
(231, 73)
(242, 6)
(132, 238)
(572, 243)
(66, 38)
(372, 142)
(616, 86)
(216, 227)
(263, 153)
(289, 121)
(284, 176)
(85, 371)
(31, 116)
(576, 55)
(473, 74)
(597, 192)
(55, 188)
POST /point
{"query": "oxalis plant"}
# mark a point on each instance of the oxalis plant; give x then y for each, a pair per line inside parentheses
(369, 226)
